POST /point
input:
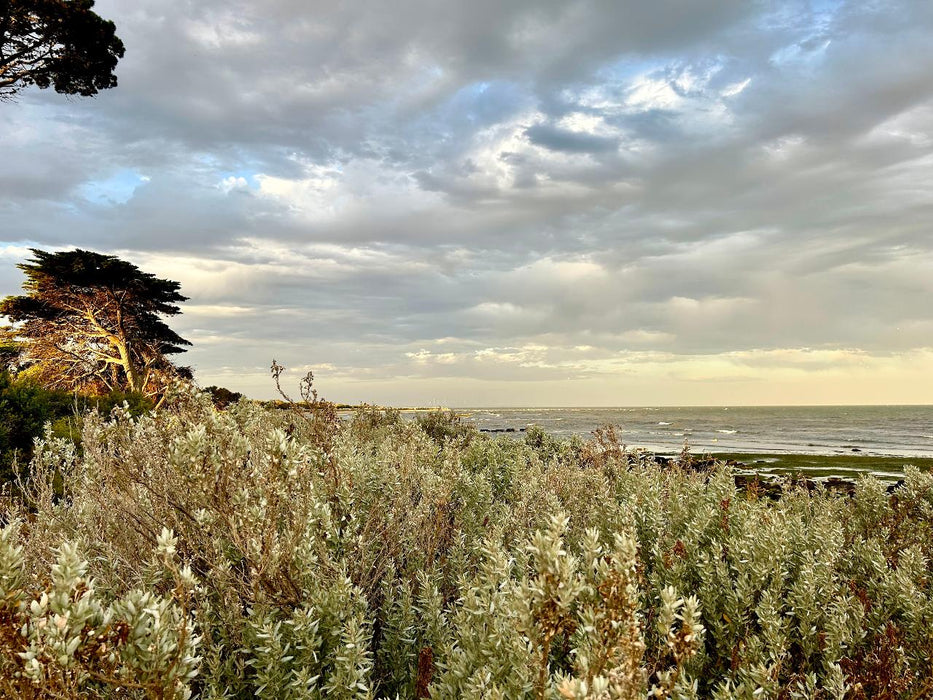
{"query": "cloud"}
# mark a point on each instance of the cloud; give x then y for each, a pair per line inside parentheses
(557, 139)
(659, 183)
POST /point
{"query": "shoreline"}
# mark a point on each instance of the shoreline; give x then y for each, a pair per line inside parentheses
(805, 459)
(819, 466)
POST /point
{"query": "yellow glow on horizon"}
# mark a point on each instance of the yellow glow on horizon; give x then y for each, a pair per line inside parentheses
(757, 377)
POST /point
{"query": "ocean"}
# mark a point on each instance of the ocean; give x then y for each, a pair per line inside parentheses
(880, 431)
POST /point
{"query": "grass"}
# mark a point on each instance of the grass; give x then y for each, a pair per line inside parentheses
(828, 465)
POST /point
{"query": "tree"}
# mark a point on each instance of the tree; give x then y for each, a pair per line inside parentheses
(222, 396)
(56, 43)
(91, 322)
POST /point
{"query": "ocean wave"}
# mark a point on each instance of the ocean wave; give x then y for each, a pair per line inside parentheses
(727, 432)
(661, 422)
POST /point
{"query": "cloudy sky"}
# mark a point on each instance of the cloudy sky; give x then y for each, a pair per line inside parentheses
(591, 202)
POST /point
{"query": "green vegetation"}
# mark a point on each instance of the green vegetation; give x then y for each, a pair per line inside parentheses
(443, 425)
(26, 408)
(222, 396)
(826, 465)
(267, 553)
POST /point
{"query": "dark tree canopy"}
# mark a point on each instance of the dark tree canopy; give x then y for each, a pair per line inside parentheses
(91, 322)
(56, 43)
(222, 396)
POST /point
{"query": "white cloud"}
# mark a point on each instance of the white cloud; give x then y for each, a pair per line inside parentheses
(232, 182)
(648, 93)
(641, 336)
(734, 89)
(222, 32)
(426, 356)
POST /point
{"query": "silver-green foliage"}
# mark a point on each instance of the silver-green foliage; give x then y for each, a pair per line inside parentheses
(71, 641)
(374, 560)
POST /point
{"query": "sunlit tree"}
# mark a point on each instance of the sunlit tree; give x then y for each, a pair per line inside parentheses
(92, 323)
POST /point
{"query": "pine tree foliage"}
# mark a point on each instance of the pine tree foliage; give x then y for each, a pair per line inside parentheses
(56, 43)
(92, 322)
(378, 562)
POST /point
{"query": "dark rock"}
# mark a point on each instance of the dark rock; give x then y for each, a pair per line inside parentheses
(774, 486)
(839, 485)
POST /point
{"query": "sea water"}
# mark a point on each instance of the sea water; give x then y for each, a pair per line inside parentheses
(893, 431)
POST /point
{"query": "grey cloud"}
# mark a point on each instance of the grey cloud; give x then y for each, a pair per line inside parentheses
(557, 139)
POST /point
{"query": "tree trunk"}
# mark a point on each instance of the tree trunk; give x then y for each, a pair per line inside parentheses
(129, 367)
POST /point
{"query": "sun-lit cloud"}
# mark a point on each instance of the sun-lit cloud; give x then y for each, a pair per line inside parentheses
(525, 202)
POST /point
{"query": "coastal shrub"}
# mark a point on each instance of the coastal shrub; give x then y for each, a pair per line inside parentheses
(441, 425)
(25, 408)
(65, 639)
(222, 396)
(136, 403)
(369, 424)
(293, 556)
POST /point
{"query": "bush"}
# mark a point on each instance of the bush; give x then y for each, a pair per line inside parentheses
(223, 397)
(25, 408)
(441, 426)
(69, 641)
(370, 559)
(133, 401)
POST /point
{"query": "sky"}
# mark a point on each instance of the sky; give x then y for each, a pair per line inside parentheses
(487, 203)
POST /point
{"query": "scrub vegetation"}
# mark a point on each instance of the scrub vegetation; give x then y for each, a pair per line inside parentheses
(253, 552)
